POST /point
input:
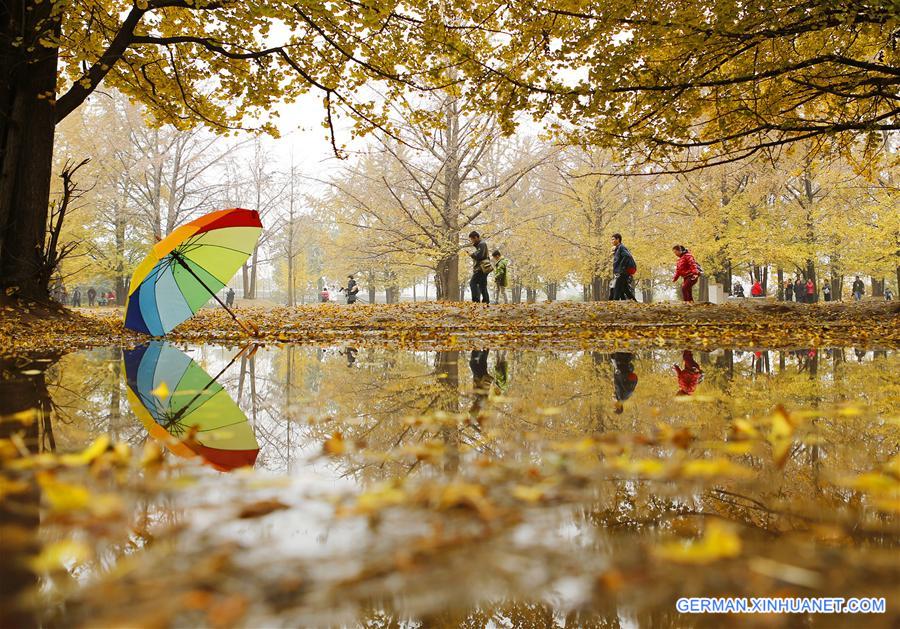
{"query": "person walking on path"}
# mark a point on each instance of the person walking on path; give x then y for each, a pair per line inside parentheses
(76, 298)
(324, 296)
(859, 289)
(501, 278)
(91, 295)
(888, 294)
(810, 291)
(624, 267)
(687, 269)
(351, 290)
(826, 292)
(788, 290)
(481, 266)
(229, 297)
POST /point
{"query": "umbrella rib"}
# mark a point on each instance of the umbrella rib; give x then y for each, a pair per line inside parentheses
(150, 404)
(235, 423)
(180, 259)
(203, 244)
(212, 380)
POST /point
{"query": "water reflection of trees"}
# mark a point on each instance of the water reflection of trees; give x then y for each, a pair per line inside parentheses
(296, 397)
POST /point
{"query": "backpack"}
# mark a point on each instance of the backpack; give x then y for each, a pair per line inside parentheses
(630, 264)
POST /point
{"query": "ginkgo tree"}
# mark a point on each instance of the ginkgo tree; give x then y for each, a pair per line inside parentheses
(223, 63)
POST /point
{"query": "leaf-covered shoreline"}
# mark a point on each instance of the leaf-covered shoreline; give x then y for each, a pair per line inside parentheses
(34, 328)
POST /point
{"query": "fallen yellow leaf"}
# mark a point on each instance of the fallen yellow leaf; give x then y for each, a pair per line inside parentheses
(719, 541)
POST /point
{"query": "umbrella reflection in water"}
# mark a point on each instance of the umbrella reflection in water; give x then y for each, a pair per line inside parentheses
(185, 408)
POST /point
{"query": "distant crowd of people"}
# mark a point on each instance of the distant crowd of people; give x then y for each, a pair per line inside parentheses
(89, 298)
(688, 270)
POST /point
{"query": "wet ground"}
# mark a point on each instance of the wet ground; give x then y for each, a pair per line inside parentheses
(299, 486)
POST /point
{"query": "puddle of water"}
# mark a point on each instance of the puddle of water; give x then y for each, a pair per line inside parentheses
(475, 488)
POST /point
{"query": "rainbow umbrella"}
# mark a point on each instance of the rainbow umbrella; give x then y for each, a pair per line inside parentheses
(187, 267)
(174, 397)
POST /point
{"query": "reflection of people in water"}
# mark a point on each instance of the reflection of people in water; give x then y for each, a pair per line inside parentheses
(689, 375)
(478, 363)
(350, 353)
(501, 373)
(481, 379)
(624, 378)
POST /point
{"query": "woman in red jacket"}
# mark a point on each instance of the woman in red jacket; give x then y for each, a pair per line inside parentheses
(687, 268)
(757, 290)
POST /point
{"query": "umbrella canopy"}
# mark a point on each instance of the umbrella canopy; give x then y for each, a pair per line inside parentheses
(186, 268)
(174, 397)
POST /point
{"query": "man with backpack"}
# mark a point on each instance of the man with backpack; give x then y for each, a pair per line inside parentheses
(624, 267)
(501, 279)
(481, 267)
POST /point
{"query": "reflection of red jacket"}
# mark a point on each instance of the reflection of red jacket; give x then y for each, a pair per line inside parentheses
(689, 376)
(686, 266)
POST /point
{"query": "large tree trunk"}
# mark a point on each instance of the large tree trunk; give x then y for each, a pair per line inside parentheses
(647, 291)
(291, 299)
(877, 287)
(837, 286)
(725, 277)
(551, 289)
(253, 267)
(703, 289)
(446, 278)
(600, 288)
(27, 125)
(120, 225)
(245, 280)
(517, 293)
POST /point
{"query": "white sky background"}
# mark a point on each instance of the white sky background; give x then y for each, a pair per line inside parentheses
(303, 135)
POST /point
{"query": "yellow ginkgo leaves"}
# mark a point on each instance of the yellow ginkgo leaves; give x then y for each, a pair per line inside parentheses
(719, 541)
(61, 555)
(161, 391)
